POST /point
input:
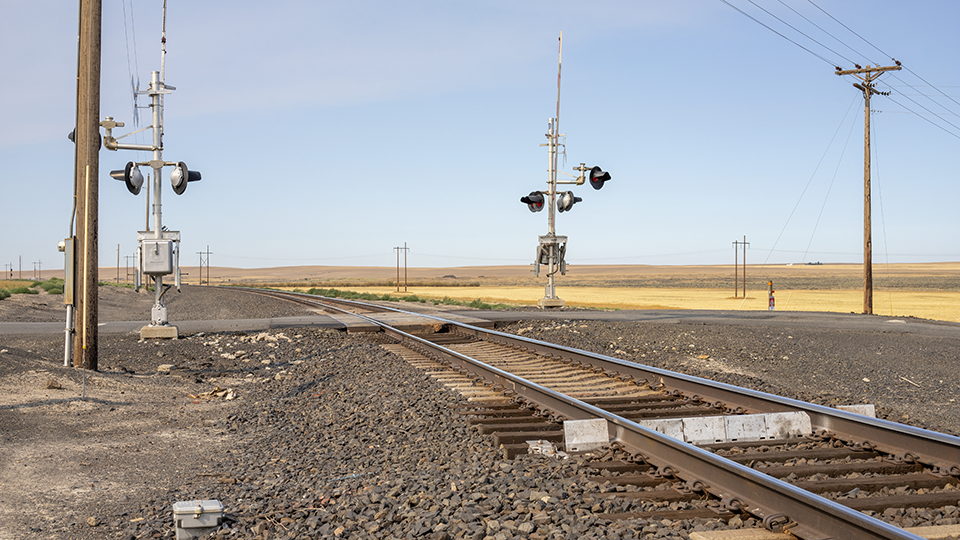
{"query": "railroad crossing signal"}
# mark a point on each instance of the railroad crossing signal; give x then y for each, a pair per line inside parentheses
(131, 176)
(534, 201)
(566, 200)
(158, 251)
(552, 248)
(597, 177)
(181, 175)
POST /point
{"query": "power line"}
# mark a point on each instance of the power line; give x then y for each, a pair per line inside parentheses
(838, 40)
(848, 28)
(829, 189)
(925, 118)
(894, 75)
(931, 86)
(845, 58)
(800, 32)
(751, 17)
(812, 176)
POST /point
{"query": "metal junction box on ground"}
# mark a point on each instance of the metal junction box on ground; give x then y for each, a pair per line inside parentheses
(194, 519)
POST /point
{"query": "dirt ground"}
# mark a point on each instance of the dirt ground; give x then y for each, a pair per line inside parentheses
(95, 455)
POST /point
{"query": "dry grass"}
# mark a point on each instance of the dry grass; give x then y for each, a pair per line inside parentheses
(943, 306)
(14, 283)
(927, 290)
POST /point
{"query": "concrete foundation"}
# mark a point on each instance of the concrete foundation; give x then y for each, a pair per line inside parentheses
(159, 332)
(550, 303)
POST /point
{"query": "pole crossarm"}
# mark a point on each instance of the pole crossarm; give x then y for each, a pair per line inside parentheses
(868, 70)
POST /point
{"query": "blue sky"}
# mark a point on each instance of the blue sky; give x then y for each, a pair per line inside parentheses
(329, 132)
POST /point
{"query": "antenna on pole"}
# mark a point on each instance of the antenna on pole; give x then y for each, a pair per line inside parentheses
(163, 41)
(559, 64)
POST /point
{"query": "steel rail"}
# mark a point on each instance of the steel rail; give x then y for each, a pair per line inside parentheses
(906, 442)
(804, 514)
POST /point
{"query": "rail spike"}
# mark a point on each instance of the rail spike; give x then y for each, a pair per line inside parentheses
(777, 523)
(694, 486)
(906, 457)
(665, 471)
(866, 446)
(949, 470)
(733, 504)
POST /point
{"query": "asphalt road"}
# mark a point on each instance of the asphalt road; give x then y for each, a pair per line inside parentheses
(794, 319)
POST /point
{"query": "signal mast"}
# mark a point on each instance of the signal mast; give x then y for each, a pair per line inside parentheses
(552, 248)
(158, 251)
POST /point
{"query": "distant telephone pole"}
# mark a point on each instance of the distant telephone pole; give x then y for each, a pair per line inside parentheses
(405, 250)
(867, 75)
(126, 265)
(207, 253)
(736, 284)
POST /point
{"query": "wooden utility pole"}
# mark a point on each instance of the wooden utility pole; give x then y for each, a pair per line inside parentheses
(736, 284)
(868, 75)
(405, 249)
(207, 253)
(397, 249)
(87, 168)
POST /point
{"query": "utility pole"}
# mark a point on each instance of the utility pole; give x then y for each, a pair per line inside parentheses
(736, 268)
(736, 245)
(207, 253)
(868, 75)
(398, 249)
(118, 263)
(86, 172)
(126, 265)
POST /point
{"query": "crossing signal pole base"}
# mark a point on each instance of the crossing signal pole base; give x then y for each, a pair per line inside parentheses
(159, 332)
(550, 303)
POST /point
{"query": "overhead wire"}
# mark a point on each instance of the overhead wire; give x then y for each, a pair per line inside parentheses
(812, 176)
(829, 189)
(754, 19)
(849, 29)
(799, 31)
(883, 221)
(835, 38)
(925, 118)
(893, 74)
(847, 59)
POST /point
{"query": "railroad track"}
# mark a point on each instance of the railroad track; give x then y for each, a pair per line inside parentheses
(686, 447)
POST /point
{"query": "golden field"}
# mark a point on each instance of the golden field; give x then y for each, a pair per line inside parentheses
(929, 291)
(924, 290)
(944, 306)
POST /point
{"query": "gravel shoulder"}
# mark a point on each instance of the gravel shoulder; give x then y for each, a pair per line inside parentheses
(322, 432)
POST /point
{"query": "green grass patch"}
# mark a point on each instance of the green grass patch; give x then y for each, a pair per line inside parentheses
(22, 290)
(52, 285)
(114, 284)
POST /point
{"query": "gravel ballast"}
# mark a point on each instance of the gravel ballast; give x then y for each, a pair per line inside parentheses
(330, 436)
